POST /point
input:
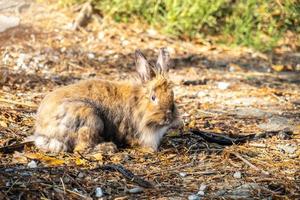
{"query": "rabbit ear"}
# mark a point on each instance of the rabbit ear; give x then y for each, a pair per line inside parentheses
(163, 60)
(143, 67)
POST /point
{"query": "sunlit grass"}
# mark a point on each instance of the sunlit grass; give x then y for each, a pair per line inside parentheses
(255, 23)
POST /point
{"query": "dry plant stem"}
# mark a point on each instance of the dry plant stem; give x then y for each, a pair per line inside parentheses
(62, 182)
(250, 164)
(18, 103)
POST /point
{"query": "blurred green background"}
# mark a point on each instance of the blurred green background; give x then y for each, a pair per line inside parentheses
(254, 23)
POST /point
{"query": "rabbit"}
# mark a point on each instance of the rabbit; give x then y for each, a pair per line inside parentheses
(83, 115)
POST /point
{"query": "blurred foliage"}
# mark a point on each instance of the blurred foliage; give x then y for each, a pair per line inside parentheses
(256, 23)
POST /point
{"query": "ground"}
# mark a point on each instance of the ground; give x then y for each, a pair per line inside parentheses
(225, 90)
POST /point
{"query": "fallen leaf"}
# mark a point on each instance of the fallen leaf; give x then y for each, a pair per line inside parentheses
(98, 156)
(80, 162)
(19, 158)
(47, 160)
(3, 124)
(278, 68)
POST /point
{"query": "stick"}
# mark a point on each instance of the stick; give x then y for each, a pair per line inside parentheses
(250, 164)
(18, 103)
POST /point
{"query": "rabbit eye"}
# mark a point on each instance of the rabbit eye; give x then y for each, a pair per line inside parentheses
(154, 98)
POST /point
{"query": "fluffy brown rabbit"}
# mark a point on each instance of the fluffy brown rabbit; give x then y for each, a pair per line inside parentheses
(80, 116)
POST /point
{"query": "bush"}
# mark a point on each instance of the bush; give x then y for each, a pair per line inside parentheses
(256, 23)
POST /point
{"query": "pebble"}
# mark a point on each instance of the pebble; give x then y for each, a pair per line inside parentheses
(99, 192)
(135, 190)
(287, 148)
(237, 174)
(152, 32)
(182, 174)
(201, 193)
(91, 56)
(32, 164)
(202, 187)
(80, 175)
(275, 123)
(193, 197)
(223, 85)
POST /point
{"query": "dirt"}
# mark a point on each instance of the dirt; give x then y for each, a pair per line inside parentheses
(227, 90)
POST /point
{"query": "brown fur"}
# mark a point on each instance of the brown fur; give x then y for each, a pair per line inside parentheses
(82, 115)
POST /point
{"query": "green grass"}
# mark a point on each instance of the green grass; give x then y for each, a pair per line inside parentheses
(255, 23)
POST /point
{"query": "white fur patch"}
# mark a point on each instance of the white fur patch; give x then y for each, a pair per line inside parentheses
(49, 145)
(152, 138)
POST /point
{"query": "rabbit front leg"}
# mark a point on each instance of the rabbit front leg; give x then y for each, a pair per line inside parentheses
(89, 129)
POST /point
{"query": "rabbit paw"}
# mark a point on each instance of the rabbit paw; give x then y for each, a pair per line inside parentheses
(106, 148)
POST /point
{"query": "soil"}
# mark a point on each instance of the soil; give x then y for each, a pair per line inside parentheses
(227, 90)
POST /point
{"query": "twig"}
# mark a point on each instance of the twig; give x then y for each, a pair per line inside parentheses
(12, 185)
(15, 147)
(126, 173)
(62, 182)
(258, 145)
(76, 193)
(18, 103)
(250, 164)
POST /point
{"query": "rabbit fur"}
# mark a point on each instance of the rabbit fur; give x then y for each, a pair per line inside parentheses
(82, 115)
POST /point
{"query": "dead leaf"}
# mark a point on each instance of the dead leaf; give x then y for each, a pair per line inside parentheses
(98, 156)
(47, 160)
(278, 68)
(19, 158)
(80, 162)
(3, 124)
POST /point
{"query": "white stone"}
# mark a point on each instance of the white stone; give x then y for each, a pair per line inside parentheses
(91, 56)
(135, 190)
(202, 187)
(182, 174)
(32, 164)
(223, 85)
(99, 192)
(80, 175)
(237, 175)
(193, 197)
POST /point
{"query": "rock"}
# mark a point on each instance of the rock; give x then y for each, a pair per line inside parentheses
(135, 190)
(182, 174)
(91, 56)
(275, 123)
(245, 189)
(32, 164)
(80, 175)
(237, 175)
(249, 112)
(193, 197)
(223, 85)
(287, 148)
(152, 32)
(101, 35)
(202, 187)
(8, 22)
(99, 192)
(201, 193)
